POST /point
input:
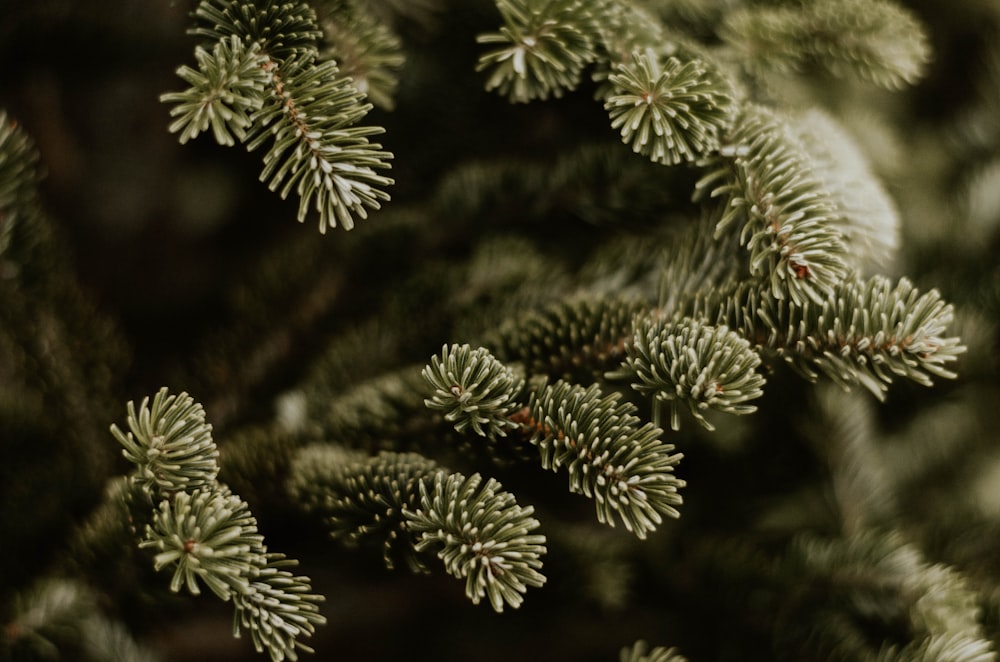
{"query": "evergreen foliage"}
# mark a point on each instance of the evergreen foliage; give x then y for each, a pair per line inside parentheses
(609, 212)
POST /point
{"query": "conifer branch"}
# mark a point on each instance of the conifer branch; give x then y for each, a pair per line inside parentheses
(362, 498)
(170, 443)
(541, 50)
(608, 455)
(316, 150)
(280, 29)
(673, 112)
(20, 176)
(582, 337)
(225, 90)
(365, 49)
(866, 215)
(873, 40)
(204, 532)
(474, 389)
(640, 651)
(786, 217)
(409, 505)
(279, 610)
(263, 82)
(482, 535)
(702, 366)
(865, 332)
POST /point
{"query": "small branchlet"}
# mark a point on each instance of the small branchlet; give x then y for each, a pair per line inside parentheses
(170, 443)
(689, 362)
(541, 50)
(474, 389)
(482, 535)
(608, 454)
(209, 535)
(674, 111)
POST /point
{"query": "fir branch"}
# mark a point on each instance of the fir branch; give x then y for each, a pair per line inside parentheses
(225, 90)
(873, 40)
(581, 337)
(787, 218)
(541, 49)
(279, 28)
(609, 457)
(672, 112)
(170, 443)
(279, 609)
(474, 389)
(20, 176)
(366, 50)
(362, 498)
(702, 366)
(866, 215)
(303, 107)
(482, 535)
(204, 531)
(865, 332)
(206, 534)
(640, 651)
(316, 150)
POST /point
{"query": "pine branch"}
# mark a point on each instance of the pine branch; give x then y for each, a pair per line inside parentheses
(408, 505)
(541, 50)
(608, 455)
(170, 443)
(578, 338)
(702, 366)
(873, 40)
(674, 111)
(204, 532)
(640, 651)
(474, 389)
(279, 609)
(262, 83)
(316, 150)
(786, 217)
(225, 90)
(481, 535)
(866, 215)
(20, 176)
(208, 535)
(279, 28)
(865, 332)
(362, 499)
(365, 49)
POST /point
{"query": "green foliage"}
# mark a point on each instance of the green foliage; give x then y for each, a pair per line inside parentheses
(673, 112)
(207, 534)
(609, 454)
(474, 389)
(170, 443)
(783, 212)
(264, 83)
(226, 89)
(641, 652)
(366, 50)
(822, 527)
(702, 366)
(481, 535)
(541, 49)
(410, 506)
(874, 40)
(866, 332)
(363, 499)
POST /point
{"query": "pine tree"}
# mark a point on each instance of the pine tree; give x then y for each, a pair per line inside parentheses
(664, 328)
